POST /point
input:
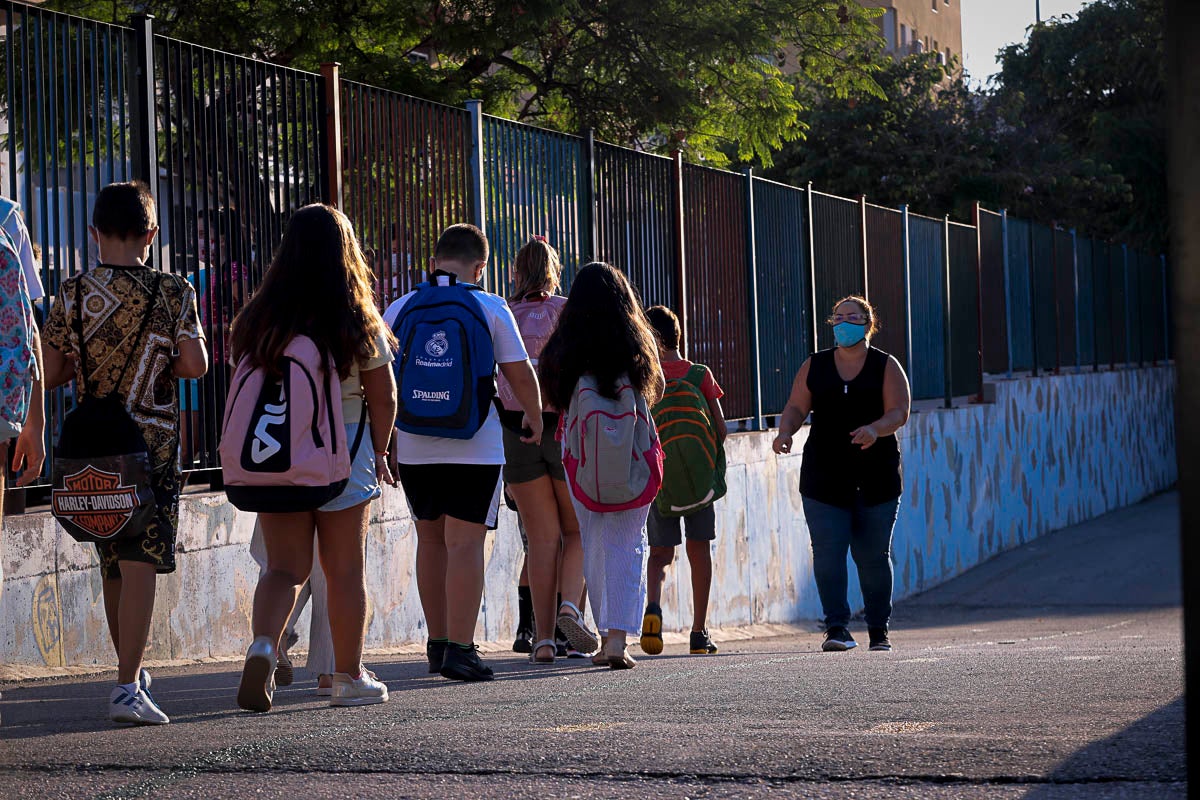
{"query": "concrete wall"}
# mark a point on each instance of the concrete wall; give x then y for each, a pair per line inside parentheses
(1049, 453)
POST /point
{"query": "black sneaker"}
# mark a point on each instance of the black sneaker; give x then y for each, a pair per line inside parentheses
(879, 639)
(464, 665)
(436, 653)
(838, 639)
(524, 641)
(701, 644)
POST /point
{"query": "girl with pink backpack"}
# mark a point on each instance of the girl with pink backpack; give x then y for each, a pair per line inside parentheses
(307, 427)
(534, 472)
(601, 364)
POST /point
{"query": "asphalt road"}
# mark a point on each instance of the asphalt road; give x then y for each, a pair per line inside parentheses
(1053, 671)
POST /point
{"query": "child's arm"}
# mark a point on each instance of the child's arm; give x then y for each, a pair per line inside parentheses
(715, 412)
(58, 368)
(192, 360)
(718, 418)
(379, 391)
(523, 380)
(30, 451)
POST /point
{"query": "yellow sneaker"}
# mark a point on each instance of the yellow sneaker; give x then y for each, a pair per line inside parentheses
(652, 641)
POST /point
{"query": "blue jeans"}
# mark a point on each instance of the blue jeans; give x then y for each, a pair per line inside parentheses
(866, 532)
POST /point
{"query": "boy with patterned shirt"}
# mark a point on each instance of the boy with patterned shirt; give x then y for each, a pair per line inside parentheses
(114, 297)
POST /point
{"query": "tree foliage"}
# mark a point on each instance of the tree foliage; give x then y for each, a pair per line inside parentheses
(1091, 88)
(1072, 129)
(701, 75)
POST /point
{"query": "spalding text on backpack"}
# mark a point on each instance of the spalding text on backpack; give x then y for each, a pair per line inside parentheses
(536, 320)
(446, 369)
(694, 473)
(283, 442)
(611, 452)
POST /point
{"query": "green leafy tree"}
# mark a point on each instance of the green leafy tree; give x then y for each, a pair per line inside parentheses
(1072, 130)
(702, 75)
(1090, 89)
(924, 143)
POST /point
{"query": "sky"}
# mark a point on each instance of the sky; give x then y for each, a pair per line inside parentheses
(989, 25)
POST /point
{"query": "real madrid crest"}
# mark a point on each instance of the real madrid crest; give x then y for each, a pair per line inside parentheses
(437, 345)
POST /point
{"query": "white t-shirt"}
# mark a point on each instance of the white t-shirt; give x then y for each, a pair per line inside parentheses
(486, 446)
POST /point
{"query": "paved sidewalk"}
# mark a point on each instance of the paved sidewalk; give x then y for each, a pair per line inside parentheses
(1053, 671)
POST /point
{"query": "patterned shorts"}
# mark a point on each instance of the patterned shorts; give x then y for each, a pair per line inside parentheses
(156, 544)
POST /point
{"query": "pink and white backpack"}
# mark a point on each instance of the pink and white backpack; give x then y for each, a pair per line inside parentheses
(283, 442)
(537, 317)
(611, 451)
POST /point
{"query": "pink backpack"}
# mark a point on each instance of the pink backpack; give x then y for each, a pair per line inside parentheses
(611, 451)
(536, 320)
(283, 443)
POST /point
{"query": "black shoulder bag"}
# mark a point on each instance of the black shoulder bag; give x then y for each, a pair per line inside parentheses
(102, 466)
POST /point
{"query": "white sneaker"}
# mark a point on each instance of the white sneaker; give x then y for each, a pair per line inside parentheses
(364, 691)
(258, 676)
(137, 708)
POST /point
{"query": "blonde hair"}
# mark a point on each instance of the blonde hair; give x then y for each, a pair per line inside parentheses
(536, 269)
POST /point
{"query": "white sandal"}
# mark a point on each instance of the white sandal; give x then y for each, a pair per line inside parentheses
(576, 632)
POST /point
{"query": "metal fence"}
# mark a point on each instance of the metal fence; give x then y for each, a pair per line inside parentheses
(237, 151)
(234, 146)
(405, 177)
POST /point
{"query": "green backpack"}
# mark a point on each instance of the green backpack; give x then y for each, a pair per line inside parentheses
(694, 461)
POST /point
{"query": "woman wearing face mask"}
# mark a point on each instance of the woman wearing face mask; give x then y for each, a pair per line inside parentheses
(850, 478)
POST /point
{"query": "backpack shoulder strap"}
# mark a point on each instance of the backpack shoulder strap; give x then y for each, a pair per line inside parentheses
(695, 375)
(133, 351)
(77, 324)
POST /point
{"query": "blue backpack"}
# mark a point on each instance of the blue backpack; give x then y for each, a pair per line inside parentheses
(446, 372)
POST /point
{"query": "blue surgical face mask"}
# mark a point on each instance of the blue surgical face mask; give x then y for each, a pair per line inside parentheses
(848, 334)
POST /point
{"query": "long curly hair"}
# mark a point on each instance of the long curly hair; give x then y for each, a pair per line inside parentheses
(318, 285)
(602, 332)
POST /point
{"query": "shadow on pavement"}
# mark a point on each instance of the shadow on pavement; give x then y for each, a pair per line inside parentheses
(1124, 561)
(1150, 750)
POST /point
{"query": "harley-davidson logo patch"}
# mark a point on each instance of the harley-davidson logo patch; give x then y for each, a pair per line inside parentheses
(95, 501)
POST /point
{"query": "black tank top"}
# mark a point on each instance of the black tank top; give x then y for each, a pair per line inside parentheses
(834, 470)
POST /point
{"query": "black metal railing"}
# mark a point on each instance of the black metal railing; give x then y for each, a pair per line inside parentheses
(232, 146)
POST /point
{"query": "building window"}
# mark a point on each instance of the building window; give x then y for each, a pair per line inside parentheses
(903, 35)
(941, 58)
(934, 4)
(888, 23)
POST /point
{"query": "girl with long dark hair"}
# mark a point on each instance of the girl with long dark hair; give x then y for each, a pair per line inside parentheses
(603, 333)
(319, 286)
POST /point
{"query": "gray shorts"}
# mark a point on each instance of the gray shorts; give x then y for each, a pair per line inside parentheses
(528, 462)
(663, 531)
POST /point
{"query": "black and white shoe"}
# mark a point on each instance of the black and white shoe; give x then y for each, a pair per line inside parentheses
(838, 639)
(879, 640)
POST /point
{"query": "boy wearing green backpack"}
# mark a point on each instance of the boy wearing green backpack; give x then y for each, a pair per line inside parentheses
(692, 429)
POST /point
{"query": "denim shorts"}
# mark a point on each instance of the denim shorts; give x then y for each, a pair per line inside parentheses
(363, 485)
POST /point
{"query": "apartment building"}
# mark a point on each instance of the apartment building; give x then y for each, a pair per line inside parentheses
(921, 26)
